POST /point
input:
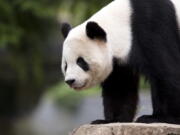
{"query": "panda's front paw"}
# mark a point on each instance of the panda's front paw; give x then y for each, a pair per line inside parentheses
(101, 122)
(146, 119)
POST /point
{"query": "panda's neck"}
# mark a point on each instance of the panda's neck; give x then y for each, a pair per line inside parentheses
(115, 19)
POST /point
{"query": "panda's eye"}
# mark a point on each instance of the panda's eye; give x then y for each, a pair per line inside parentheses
(83, 64)
(65, 67)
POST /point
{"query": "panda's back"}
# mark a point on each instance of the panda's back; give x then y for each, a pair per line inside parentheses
(156, 37)
(156, 19)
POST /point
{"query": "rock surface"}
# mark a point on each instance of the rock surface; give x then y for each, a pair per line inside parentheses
(128, 129)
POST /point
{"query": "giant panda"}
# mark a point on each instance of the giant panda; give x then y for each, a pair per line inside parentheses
(123, 40)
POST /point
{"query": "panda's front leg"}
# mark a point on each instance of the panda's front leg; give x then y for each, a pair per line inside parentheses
(120, 95)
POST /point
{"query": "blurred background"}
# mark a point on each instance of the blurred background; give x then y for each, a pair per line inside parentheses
(33, 97)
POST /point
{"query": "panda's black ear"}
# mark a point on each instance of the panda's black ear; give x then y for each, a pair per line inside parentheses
(94, 31)
(65, 28)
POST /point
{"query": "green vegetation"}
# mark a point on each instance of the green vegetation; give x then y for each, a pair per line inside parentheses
(25, 30)
(22, 17)
(144, 84)
(77, 11)
(69, 98)
(62, 90)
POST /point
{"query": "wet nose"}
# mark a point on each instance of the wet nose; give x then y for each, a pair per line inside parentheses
(70, 82)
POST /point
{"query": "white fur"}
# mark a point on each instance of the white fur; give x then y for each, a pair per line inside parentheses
(177, 8)
(115, 20)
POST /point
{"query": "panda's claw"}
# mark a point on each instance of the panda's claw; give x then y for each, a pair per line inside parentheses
(146, 119)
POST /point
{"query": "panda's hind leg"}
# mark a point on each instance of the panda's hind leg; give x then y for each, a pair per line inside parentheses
(165, 101)
(158, 119)
(120, 95)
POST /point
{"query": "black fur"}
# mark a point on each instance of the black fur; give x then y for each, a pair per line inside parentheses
(94, 31)
(65, 68)
(83, 64)
(65, 28)
(156, 54)
(120, 95)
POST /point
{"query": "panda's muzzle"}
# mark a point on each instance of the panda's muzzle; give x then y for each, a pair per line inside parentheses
(72, 84)
(79, 88)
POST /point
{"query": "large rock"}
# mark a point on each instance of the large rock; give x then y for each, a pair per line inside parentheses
(128, 129)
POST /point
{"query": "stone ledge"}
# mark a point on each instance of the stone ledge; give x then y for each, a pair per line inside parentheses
(128, 129)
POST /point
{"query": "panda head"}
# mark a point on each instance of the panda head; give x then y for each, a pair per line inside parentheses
(86, 57)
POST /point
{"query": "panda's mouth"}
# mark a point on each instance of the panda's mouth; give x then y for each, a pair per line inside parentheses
(79, 87)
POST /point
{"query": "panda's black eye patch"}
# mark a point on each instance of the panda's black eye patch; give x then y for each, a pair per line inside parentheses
(65, 68)
(83, 64)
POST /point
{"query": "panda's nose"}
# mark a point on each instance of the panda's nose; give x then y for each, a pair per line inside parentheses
(70, 82)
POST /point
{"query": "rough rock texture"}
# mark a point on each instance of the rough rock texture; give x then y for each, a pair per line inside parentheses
(128, 129)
